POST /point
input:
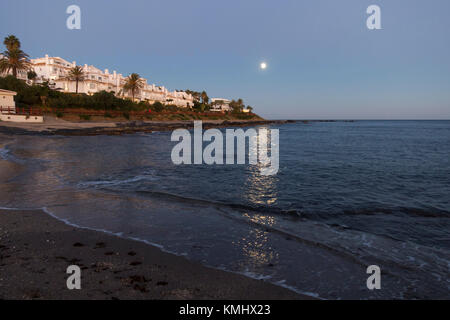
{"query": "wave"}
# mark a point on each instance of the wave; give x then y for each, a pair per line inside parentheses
(431, 212)
(356, 245)
(102, 184)
(6, 154)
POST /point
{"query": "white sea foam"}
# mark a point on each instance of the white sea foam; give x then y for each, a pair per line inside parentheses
(115, 182)
(4, 153)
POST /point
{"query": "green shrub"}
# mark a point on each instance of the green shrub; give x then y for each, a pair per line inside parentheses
(157, 106)
(172, 108)
(85, 117)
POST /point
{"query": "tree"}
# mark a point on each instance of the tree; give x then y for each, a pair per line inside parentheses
(133, 83)
(11, 42)
(196, 95)
(76, 74)
(250, 109)
(237, 106)
(157, 106)
(205, 98)
(31, 75)
(13, 58)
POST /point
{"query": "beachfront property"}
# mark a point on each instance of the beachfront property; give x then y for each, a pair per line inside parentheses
(7, 103)
(55, 70)
(8, 109)
(220, 105)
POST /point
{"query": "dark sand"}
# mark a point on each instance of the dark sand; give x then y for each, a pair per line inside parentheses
(36, 249)
(55, 126)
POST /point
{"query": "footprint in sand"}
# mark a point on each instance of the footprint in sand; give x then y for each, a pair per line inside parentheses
(100, 245)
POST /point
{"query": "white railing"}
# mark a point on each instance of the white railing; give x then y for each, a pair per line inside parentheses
(7, 110)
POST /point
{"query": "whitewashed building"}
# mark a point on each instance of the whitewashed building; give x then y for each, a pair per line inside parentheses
(56, 69)
(220, 105)
(7, 103)
(8, 109)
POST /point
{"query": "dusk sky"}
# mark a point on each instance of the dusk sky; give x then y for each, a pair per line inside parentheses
(323, 62)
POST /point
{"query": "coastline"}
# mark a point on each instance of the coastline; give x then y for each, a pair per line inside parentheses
(36, 249)
(55, 126)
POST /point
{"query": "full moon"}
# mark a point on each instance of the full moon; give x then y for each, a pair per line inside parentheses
(263, 66)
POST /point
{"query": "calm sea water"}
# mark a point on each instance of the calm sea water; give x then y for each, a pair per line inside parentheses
(347, 195)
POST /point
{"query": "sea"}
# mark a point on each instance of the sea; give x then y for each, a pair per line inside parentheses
(347, 195)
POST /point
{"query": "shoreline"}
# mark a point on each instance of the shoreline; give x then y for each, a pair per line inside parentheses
(54, 126)
(36, 249)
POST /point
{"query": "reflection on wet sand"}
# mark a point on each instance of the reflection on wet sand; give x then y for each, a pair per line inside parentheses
(255, 245)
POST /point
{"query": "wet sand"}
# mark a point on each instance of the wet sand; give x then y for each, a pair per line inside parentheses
(36, 249)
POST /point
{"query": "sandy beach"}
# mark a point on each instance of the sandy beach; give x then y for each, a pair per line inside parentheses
(36, 249)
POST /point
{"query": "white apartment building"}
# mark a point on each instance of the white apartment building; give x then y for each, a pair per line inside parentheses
(56, 69)
(220, 105)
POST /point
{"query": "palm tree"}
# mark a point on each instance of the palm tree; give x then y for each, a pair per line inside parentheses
(196, 95)
(14, 59)
(133, 83)
(11, 42)
(76, 74)
(205, 98)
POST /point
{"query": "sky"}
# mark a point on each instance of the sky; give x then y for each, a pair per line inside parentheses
(323, 61)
